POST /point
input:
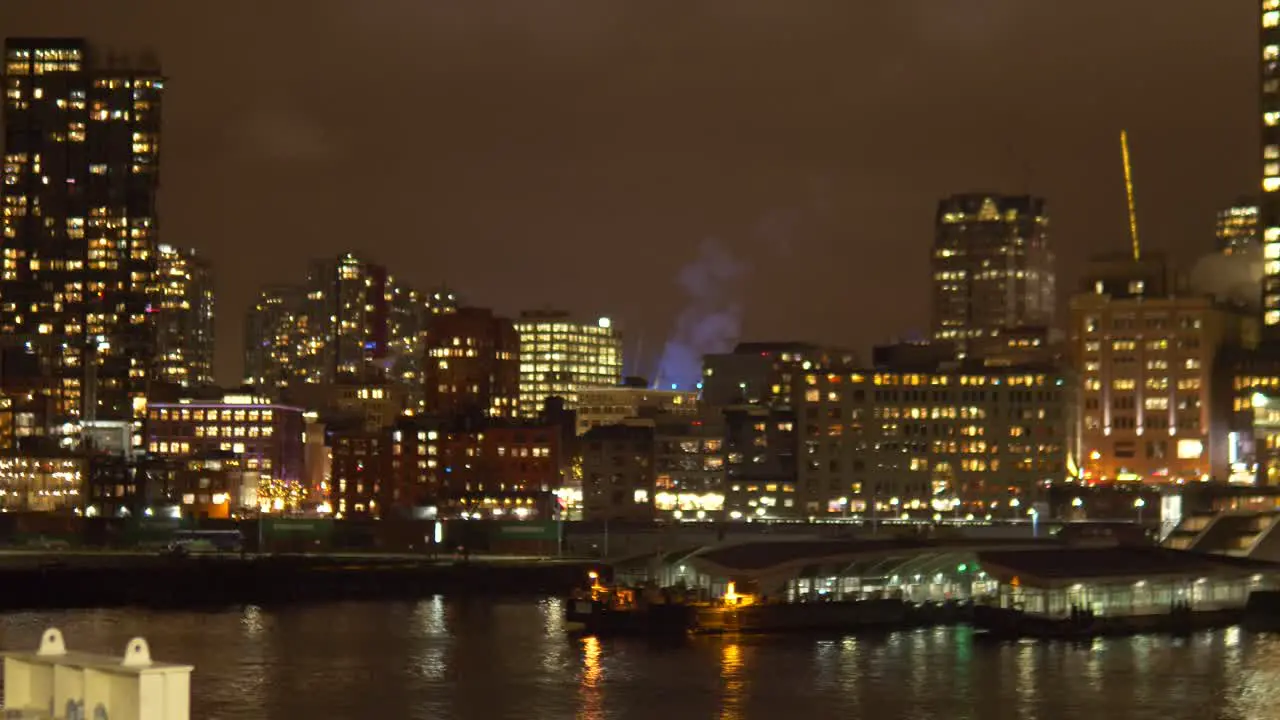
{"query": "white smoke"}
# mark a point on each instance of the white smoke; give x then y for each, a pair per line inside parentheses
(1234, 279)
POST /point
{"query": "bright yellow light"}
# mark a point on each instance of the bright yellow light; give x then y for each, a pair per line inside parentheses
(1128, 186)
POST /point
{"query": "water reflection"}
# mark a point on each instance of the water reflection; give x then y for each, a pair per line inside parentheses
(591, 705)
(1027, 676)
(440, 659)
(733, 679)
(429, 630)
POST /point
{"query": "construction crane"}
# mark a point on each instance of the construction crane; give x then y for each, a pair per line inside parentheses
(1128, 187)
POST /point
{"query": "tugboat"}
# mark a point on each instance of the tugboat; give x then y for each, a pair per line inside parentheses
(602, 610)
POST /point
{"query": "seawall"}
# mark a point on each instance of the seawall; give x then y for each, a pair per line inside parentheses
(213, 581)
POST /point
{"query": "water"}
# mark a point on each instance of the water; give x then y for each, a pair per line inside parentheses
(498, 659)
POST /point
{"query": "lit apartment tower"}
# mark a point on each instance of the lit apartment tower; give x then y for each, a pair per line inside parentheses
(992, 267)
(1151, 406)
(1236, 227)
(1269, 203)
(355, 296)
(442, 300)
(276, 339)
(560, 355)
(406, 342)
(80, 175)
(472, 365)
(182, 308)
(350, 319)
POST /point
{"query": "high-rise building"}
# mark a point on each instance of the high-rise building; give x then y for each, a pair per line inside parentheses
(78, 199)
(356, 298)
(993, 267)
(1153, 408)
(1236, 228)
(406, 343)
(350, 319)
(472, 365)
(182, 307)
(560, 355)
(277, 339)
(442, 300)
(1269, 203)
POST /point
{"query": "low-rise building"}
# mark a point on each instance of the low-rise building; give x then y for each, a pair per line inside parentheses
(617, 464)
(760, 464)
(269, 436)
(1252, 442)
(393, 471)
(598, 407)
(663, 467)
(762, 373)
(139, 486)
(963, 439)
(216, 487)
(560, 355)
(502, 470)
(358, 469)
(41, 484)
(372, 400)
(1148, 359)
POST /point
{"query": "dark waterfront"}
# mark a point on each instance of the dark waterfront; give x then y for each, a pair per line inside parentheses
(511, 659)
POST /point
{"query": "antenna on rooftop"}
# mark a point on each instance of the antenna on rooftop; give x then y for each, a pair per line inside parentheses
(1128, 187)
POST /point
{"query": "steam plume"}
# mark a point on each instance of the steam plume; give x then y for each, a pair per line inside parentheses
(712, 319)
(1234, 279)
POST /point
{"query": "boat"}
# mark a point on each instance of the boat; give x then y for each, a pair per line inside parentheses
(610, 611)
(1008, 623)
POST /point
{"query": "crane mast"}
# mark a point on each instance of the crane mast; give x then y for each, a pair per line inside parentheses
(1128, 187)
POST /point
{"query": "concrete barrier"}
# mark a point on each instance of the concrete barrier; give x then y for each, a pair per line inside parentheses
(56, 684)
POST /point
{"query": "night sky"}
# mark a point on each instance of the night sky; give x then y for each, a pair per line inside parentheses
(579, 154)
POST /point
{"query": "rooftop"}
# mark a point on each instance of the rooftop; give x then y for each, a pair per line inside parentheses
(1115, 562)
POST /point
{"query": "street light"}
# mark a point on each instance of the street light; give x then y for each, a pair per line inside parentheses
(1139, 504)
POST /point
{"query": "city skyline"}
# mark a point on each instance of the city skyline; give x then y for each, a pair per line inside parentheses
(797, 178)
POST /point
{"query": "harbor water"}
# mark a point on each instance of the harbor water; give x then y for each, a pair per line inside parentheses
(494, 659)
